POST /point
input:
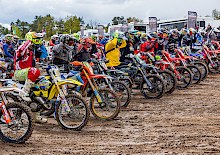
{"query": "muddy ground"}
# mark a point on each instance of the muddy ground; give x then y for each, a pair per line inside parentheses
(187, 121)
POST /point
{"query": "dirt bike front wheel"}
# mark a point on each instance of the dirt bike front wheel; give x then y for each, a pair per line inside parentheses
(157, 84)
(197, 74)
(123, 92)
(215, 67)
(22, 124)
(77, 117)
(170, 80)
(109, 107)
(185, 77)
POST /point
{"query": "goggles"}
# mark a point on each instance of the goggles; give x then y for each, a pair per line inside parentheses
(36, 41)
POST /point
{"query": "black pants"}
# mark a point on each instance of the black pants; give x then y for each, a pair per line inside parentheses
(60, 62)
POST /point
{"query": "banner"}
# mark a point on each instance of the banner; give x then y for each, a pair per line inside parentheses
(153, 24)
(192, 18)
(101, 30)
(82, 28)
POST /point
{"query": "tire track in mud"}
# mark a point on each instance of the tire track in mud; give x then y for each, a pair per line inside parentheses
(187, 121)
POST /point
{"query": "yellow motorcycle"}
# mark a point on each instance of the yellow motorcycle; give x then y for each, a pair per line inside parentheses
(49, 95)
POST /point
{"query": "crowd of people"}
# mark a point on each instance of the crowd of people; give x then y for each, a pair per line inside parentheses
(66, 48)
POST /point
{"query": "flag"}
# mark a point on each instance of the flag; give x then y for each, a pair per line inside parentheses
(14, 32)
(44, 32)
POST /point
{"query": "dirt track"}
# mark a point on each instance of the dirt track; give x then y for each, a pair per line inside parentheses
(187, 121)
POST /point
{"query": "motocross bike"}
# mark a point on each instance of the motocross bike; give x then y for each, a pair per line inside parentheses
(49, 95)
(193, 59)
(182, 61)
(120, 87)
(152, 86)
(104, 103)
(16, 119)
(183, 74)
(211, 59)
(168, 77)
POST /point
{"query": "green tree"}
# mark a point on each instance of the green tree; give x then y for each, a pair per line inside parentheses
(24, 28)
(133, 19)
(216, 14)
(106, 28)
(60, 26)
(72, 24)
(17, 31)
(118, 20)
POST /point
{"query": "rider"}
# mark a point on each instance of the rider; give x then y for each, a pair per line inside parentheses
(112, 50)
(62, 52)
(173, 39)
(76, 35)
(84, 49)
(15, 41)
(189, 38)
(149, 45)
(25, 69)
(54, 40)
(8, 46)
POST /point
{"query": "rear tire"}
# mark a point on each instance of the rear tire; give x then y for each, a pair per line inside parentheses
(214, 69)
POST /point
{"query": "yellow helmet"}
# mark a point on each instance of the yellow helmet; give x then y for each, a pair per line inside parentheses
(34, 37)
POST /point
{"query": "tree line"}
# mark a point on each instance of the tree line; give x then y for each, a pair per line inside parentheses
(70, 24)
(48, 23)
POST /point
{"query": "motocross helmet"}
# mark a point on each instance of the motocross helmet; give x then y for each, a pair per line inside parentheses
(8, 38)
(34, 37)
(183, 31)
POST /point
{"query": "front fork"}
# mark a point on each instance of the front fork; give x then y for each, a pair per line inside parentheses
(94, 87)
(143, 72)
(7, 114)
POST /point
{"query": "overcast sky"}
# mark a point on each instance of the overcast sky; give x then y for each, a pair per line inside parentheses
(103, 11)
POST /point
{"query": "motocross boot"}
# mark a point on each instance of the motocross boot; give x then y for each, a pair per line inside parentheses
(38, 118)
(27, 86)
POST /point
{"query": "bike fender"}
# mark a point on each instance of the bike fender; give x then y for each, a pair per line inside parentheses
(7, 89)
(66, 81)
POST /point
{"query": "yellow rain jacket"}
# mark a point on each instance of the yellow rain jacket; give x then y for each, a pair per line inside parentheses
(113, 53)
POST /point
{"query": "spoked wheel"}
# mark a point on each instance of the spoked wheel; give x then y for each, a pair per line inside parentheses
(123, 92)
(157, 88)
(78, 115)
(197, 75)
(215, 67)
(203, 68)
(109, 107)
(21, 127)
(121, 89)
(127, 81)
(45, 112)
(170, 80)
(185, 77)
(2, 72)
